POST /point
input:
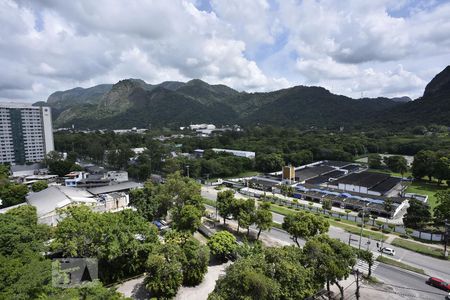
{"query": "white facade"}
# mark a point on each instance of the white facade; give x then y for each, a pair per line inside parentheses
(117, 176)
(240, 153)
(25, 133)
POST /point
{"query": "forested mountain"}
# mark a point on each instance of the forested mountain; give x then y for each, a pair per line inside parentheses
(132, 102)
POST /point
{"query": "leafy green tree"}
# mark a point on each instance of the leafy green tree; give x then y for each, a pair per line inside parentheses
(188, 218)
(195, 263)
(225, 200)
(244, 212)
(269, 162)
(304, 225)
(222, 243)
(326, 204)
(441, 169)
(4, 171)
(374, 161)
(396, 163)
(164, 276)
(423, 164)
(39, 186)
(12, 193)
(245, 280)
(367, 256)
(120, 241)
(331, 260)
(417, 214)
(388, 204)
(147, 203)
(271, 273)
(442, 209)
(263, 218)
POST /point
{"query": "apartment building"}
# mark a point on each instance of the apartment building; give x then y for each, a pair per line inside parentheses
(25, 133)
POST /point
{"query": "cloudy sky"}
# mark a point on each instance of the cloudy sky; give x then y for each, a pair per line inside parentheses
(352, 47)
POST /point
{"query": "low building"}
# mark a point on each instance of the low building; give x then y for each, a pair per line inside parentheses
(28, 170)
(116, 176)
(120, 187)
(240, 153)
(54, 198)
(371, 183)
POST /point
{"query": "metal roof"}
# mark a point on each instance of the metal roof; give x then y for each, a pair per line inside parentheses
(128, 185)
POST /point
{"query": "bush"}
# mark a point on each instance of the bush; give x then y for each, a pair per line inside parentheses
(375, 228)
(405, 236)
(337, 219)
(385, 230)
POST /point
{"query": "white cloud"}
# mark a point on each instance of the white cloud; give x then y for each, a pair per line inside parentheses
(347, 46)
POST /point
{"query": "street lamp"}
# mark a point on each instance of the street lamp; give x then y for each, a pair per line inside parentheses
(187, 167)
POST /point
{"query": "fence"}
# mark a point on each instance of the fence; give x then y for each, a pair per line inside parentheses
(426, 236)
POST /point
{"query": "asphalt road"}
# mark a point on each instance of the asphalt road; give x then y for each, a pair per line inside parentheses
(408, 284)
(402, 283)
(432, 266)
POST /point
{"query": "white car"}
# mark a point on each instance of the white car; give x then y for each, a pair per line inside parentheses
(389, 251)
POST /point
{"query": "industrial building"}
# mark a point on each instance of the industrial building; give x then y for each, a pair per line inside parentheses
(370, 183)
(25, 133)
(240, 153)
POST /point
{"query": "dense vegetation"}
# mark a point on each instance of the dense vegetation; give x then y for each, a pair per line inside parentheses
(274, 147)
(132, 102)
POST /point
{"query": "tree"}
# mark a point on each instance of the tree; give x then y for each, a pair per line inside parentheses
(423, 164)
(164, 276)
(367, 256)
(396, 163)
(222, 243)
(4, 171)
(304, 225)
(225, 201)
(442, 209)
(417, 215)
(271, 273)
(269, 162)
(195, 263)
(188, 218)
(147, 203)
(326, 204)
(263, 218)
(331, 260)
(39, 186)
(441, 169)
(388, 204)
(12, 193)
(246, 280)
(374, 161)
(244, 212)
(121, 241)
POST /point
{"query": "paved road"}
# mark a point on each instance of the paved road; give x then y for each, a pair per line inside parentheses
(408, 284)
(432, 266)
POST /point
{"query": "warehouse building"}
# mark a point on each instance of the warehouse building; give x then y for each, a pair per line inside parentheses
(369, 183)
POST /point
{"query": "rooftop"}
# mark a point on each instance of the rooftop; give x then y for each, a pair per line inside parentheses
(123, 186)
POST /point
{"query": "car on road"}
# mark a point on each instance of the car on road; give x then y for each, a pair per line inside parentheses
(387, 250)
(439, 283)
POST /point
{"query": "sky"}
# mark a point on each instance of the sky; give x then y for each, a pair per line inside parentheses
(351, 47)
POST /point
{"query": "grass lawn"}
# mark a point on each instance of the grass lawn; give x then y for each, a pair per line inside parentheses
(419, 248)
(401, 265)
(426, 188)
(209, 202)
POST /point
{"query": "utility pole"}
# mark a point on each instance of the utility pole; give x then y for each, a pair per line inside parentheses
(357, 285)
(446, 238)
(360, 233)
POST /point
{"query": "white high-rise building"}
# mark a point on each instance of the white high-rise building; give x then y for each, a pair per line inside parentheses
(26, 133)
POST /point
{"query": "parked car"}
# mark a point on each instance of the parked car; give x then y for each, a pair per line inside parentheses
(387, 250)
(439, 283)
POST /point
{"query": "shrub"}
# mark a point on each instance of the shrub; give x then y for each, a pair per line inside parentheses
(375, 228)
(405, 236)
(337, 219)
(385, 230)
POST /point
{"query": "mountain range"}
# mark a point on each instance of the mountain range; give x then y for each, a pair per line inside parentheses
(135, 103)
